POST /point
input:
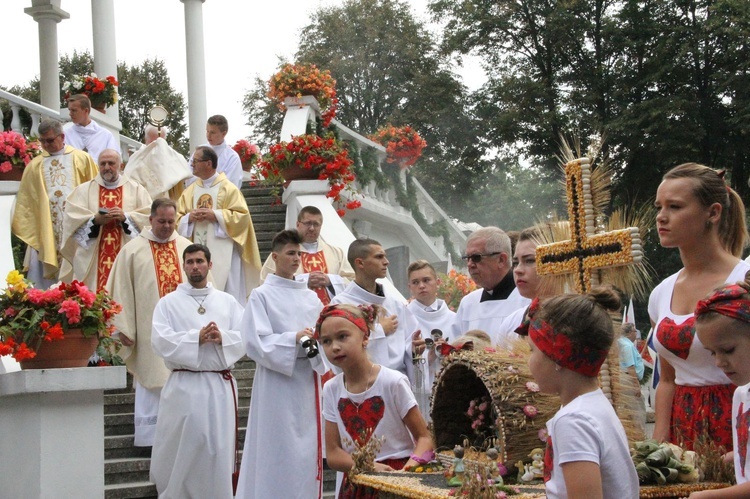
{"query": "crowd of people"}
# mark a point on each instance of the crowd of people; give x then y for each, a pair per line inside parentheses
(341, 359)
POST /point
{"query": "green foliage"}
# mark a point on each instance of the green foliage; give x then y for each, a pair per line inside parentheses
(141, 88)
(388, 71)
(665, 82)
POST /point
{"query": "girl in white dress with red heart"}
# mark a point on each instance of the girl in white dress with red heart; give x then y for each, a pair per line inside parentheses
(722, 323)
(366, 400)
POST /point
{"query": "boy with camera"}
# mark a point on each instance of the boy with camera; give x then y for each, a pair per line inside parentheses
(284, 427)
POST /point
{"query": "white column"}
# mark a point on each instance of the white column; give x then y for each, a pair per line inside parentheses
(47, 16)
(105, 53)
(196, 72)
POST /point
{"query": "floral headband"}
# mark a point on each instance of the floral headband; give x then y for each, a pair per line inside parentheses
(727, 300)
(558, 346)
(335, 311)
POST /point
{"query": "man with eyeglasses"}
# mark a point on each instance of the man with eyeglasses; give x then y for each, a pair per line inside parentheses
(488, 258)
(212, 211)
(325, 267)
(38, 216)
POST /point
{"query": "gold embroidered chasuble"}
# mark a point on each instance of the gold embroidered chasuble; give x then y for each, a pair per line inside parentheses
(38, 216)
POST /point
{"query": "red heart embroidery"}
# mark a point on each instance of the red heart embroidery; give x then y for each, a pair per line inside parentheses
(677, 338)
(549, 463)
(743, 428)
(358, 418)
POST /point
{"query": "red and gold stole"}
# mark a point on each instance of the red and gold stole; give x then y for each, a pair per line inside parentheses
(166, 266)
(110, 236)
(316, 262)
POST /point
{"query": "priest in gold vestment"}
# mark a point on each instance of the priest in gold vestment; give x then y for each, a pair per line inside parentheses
(40, 202)
(213, 212)
(146, 269)
(101, 215)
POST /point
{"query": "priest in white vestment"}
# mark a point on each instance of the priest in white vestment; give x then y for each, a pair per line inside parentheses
(283, 452)
(146, 269)
(159, 168)
(101, 215)
(324, 267)
(84, 133)
(430, 313)
(196, 330)
(213, 212)
(40, 202)
(391, 342)
(488, 255)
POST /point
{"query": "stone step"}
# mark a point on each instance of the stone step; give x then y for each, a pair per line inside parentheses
(133, 490)
(261, 216)
(121, 446)
(126, 470)
(267, 201)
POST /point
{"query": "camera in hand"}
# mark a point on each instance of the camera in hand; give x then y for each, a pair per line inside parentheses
(103, 211)
(310, 346)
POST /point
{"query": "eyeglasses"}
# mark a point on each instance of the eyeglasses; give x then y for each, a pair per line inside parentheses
(311, 225)
(50, 140)
(196, 160)
(477, 257)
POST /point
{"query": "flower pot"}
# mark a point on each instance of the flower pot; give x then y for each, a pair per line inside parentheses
(73, 350)
(15, 173)
(298, 173)
(248, 165)
(100, 107)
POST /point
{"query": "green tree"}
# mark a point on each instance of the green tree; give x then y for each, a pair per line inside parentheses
(141, 87)
(388, 71)
(665, 82)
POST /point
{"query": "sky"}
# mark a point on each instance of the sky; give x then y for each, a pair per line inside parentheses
(243, 39)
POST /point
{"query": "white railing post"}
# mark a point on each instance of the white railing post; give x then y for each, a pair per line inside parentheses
(15, 121)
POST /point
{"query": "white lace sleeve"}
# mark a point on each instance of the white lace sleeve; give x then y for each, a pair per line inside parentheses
(82, 234)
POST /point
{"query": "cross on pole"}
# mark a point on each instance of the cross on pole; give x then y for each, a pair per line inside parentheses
(586, 251)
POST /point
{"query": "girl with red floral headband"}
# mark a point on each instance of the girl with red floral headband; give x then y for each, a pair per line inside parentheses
(722, 323)
(587, 453)
(366, 400)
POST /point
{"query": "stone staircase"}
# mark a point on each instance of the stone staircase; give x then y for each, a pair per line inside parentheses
(126, 468)
(269, 215)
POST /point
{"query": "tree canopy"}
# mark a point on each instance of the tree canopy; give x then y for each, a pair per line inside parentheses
(141, 87)
(388, 71)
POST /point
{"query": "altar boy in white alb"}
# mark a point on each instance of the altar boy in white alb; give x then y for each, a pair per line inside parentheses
(391, 342)
(196, 330)
(431, 313)
(84, 133)
(283, 453)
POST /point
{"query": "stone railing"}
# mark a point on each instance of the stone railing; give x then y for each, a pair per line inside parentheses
(37, 112)
(379, 203)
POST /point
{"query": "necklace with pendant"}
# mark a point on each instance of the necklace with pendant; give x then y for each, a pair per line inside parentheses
(201, 310)
(367, 387)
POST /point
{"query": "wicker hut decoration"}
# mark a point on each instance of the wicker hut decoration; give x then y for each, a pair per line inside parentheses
(518, 410)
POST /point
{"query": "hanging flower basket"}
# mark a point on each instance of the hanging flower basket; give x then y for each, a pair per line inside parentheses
(403, 145)
(101, 93)
(298, 80)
